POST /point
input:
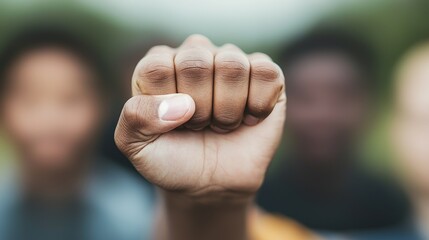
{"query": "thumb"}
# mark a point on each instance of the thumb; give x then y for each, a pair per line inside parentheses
(144, 117)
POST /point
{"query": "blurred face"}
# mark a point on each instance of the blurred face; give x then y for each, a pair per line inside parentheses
(50, 110)
(411, 124)
(326, 105)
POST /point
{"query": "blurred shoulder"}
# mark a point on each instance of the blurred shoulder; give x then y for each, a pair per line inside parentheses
(265, 226)
(120, 196)
(110, 182)
(8, 197)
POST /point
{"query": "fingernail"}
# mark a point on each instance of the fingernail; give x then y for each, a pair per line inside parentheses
(250, 120)
(174, 108)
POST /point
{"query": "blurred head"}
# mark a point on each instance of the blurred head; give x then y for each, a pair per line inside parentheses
(50, 97)
(328, 79)
(411, 119)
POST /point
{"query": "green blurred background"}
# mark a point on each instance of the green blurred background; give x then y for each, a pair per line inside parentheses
(265, 25)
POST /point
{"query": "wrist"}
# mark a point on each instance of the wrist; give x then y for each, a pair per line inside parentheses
(206, 200)
(204, 218)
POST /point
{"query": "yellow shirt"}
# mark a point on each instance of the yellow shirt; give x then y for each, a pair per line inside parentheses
(264, 226)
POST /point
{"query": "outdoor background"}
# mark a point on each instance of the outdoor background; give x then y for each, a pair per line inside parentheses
(255, 25)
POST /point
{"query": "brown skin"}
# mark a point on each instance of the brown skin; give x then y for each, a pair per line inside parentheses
(51, 115)
(327, 108)
(208, 151)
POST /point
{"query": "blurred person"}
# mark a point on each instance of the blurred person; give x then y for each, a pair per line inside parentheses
(54, 98)
(410, 141)
(203, 124)
(321, 185)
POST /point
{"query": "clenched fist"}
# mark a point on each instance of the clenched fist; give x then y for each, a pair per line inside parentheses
(203, 121)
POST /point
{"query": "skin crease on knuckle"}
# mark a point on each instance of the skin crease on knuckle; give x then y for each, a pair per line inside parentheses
(231, 66)
(195, 64)
(155, 69)
(194, 75)
(226, 123)
(260, 108)
(265, 70)
(136, 113)
(199, 121)
(131, 113)
(121, 137)
(195, 69)
(228, 118)
(233, 70)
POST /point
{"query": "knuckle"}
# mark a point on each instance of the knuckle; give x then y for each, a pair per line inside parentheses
(232, 66)
(194, 64)
(155, 69)
(280, 86)
(230, 46)
(198, 121)
(227, 120)
(160, 48)
(259, 55)
(265, 70)
(197, 38)
(132, 112)
(194, 68)
(260, 108)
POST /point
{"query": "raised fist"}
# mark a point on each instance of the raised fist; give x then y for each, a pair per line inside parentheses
(204, 121)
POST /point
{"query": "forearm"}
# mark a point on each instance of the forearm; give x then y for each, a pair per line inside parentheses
(231, 123)
(183, 218)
